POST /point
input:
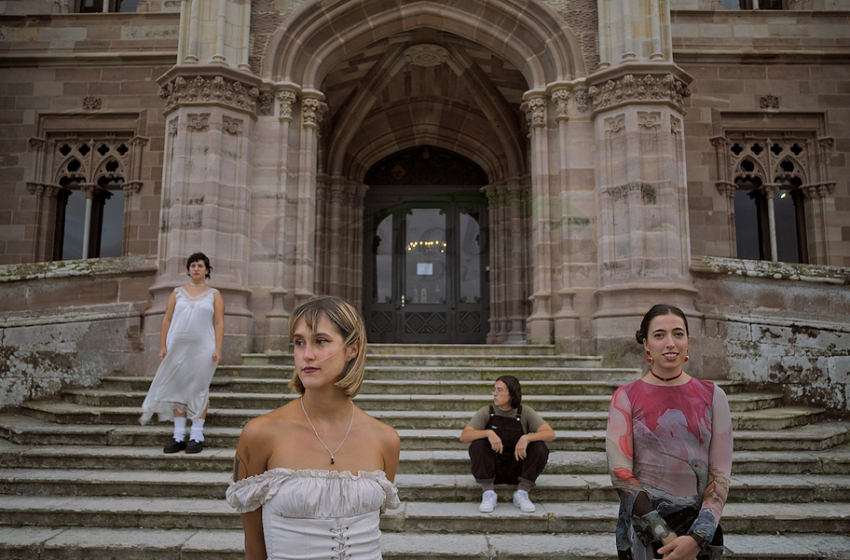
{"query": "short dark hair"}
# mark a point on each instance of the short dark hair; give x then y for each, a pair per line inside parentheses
(195, 257)
(658, 310)
(514, 390)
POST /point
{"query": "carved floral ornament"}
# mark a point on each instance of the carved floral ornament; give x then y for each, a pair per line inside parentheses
(209, 90)
(640, 88)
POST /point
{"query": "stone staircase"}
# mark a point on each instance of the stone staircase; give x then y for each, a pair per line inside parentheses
(79, 478)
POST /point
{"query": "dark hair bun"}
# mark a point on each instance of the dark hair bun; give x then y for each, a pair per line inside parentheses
(639, 336)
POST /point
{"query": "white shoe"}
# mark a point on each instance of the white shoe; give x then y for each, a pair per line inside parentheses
(522, 502)
(488, 502)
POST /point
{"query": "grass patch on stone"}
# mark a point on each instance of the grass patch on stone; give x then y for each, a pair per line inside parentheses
(750, 529)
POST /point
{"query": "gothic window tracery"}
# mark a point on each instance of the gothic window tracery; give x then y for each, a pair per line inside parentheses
(83, 207)
(772, 180)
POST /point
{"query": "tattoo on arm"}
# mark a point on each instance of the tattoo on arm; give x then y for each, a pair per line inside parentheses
(236, 462)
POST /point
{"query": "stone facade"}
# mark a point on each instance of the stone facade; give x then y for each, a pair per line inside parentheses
(622, 143)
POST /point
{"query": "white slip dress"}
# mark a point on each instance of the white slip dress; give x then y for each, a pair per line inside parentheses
(182, 381)
(317, 514)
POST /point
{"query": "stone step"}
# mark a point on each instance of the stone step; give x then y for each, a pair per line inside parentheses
(412, 487)
(463, 350)
(411, 517)
(448, 360)
(834, 461)
(237, 384)
(25, 429)
(161, 544)
(543, 404)
(417, 371)
(71, 413)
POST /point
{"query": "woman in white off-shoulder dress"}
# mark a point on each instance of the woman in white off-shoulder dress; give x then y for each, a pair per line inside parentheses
(312, 478)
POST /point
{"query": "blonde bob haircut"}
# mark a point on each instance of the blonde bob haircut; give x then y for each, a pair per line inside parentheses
(349, 323)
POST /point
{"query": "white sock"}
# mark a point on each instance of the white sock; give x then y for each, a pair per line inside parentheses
(179, 428)
(197, 431)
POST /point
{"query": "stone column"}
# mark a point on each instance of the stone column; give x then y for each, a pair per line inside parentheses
(278, 317)
(539, 326)
(206, 190)
(641, 181)
(305, 234)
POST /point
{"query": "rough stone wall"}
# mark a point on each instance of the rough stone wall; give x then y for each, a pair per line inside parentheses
(70, 323)
(778, 324)
(581, 17)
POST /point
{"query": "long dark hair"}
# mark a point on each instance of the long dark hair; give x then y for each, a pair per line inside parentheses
(514, 390)
(195, 257)
(657, 311)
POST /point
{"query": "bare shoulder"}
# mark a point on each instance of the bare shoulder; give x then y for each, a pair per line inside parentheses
(381, 432)
(268, 426)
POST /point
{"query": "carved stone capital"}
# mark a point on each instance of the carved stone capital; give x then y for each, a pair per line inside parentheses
(310, 107)
(204, 90)
(648, 87)
(286, 98)
(561, 97)
(535, 108)
(231, 126)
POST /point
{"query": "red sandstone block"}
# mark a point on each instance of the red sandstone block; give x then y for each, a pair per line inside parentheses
(105, 88)
(78, 75)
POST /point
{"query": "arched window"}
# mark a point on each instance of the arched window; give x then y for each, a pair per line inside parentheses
(768, 201)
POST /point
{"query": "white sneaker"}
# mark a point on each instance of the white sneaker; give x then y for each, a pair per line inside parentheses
(522, 502)
(488, 502)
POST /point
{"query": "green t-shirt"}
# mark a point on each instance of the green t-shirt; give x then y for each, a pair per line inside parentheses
(530, 420)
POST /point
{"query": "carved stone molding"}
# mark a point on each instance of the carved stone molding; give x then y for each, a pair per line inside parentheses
(91, 103)
(726, 188)
(647, 192)
(639, 88)
(43, 189)
(426, 55)
(198, 122)
(200, 90)
(769, 101)
(616, 124)
(266, 103)
(649, 120)
(818, 190)
(231, 126)
(582, 99)
(131, 187)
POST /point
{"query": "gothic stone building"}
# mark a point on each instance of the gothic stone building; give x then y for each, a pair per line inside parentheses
(473, 171)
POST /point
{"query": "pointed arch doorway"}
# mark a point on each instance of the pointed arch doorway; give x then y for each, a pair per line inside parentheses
(426, 249)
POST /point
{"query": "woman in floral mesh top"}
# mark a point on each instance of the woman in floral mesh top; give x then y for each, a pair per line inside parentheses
(669, 446)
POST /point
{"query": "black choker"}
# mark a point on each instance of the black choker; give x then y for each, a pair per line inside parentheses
(678, 375)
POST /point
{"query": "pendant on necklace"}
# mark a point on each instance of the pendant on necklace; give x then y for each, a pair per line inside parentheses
(332, 459)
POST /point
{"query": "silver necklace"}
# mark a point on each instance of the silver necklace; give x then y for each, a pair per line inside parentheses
(317, 433)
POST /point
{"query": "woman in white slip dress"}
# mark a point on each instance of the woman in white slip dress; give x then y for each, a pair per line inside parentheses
(190, 348)
(312, 478)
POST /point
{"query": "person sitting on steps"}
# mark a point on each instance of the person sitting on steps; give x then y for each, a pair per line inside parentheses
(507, 445)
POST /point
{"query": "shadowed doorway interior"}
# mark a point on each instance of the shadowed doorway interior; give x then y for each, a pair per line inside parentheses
(426, 261)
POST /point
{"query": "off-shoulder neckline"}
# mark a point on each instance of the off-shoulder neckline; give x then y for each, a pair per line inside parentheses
(316, 473)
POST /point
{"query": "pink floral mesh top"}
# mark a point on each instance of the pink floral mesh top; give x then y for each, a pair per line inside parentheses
(669, 454)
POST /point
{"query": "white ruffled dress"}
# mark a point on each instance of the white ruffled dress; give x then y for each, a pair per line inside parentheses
(317, 514)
